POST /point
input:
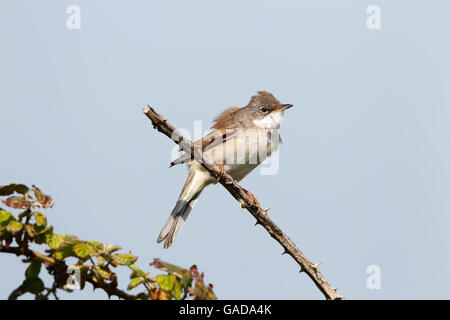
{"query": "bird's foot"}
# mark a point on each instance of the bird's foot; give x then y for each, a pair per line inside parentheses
(221, 171)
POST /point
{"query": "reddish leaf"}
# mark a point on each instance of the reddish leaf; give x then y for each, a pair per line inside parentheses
(200, 290)
(164, 266)
(44, 200)
(17, 202)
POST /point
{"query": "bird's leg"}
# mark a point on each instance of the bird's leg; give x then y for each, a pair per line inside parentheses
(221, 172)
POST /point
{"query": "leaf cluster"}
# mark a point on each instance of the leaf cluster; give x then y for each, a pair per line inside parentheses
(94, 262)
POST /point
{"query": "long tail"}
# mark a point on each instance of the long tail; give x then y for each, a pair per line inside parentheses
(191, 191)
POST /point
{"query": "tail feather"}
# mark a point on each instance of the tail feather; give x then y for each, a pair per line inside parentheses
(175, 222)
(186, 201)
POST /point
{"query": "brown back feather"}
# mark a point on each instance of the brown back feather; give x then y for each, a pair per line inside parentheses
(225, 119)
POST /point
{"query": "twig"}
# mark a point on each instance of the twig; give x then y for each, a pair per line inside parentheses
(61, 268)
(261, 216)
(17, 293)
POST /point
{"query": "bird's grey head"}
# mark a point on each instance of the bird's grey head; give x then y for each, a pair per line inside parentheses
(265, 111)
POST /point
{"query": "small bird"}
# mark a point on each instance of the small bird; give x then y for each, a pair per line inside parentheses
(240, 139)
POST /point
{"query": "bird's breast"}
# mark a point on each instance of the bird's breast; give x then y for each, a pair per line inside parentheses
(244, 151)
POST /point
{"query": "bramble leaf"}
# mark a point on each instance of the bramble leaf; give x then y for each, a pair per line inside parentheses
(134, 283)
(33, 285)
(17, 202)
(124, 259)
(65, 250)
(166, 282)
(177, 290)
(40, 218)
(33, 269)
(9, 189)
(4, 217)
(137, 272)
(82, 250)
(179, 272)
(54, 240)
(14, 226)
(103, 273)
(109, 248)
(30, 230)
(43, 199)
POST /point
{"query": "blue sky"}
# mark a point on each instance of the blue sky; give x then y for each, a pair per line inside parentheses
(364, 173)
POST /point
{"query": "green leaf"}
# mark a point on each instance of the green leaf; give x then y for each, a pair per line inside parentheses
(40, 218)
(137, 272)
(34, 285)
(185, 275)
(124, 259)
(100, 260)
(109, 248)
(54, 240)
(176, 290)
(103, 273)
(64, 251)
(143, 296)
(171, 268)
(14, 226)
(166, 282)
(42, 230)
(39, 239)
(164, 295)
(134, 283)
(9, 189)
(82, 250)
(30, 230)
(4, 217)
(186, 278)
(97, 245)
(33, 269)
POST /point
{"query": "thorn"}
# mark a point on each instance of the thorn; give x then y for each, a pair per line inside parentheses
(301, 270)
(316, 266)
(264, 211)
(284, 252)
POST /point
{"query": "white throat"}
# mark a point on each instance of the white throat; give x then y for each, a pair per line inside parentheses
(272, 121)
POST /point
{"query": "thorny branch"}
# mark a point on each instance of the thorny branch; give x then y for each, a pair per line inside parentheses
(59, 271)
(242, 196)
(96, 261)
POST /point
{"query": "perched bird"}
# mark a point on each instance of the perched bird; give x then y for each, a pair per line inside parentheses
(240, 139)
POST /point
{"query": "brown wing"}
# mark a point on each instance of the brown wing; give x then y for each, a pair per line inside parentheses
(226, 119)
(222, 131)
(209, 141)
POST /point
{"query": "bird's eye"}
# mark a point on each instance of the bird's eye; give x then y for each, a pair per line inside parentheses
(264, 109)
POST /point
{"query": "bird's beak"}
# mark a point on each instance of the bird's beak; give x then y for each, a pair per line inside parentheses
(285, 106)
